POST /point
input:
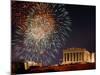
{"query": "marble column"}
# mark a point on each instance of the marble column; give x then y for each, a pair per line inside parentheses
(64, 57)
(72, 57)
(79, 57)
(69, 57)
(26, 65)
(75, 56)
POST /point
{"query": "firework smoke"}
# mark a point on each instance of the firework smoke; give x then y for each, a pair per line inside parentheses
(41, 33)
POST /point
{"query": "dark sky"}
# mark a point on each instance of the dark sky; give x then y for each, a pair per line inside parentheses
(83, 27)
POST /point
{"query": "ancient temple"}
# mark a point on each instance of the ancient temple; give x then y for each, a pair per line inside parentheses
(77, 55)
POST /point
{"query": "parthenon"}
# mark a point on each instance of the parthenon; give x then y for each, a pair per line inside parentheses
(77, 55)
(70, 55)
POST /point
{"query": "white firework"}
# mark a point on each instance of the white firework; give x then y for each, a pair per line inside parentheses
(46, 31)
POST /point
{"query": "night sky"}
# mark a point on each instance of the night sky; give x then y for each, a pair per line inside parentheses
(83, 27)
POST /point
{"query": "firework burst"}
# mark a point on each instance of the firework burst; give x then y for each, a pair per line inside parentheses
(42, 33)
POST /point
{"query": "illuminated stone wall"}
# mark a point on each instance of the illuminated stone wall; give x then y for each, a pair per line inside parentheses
(28, 64)
(77, 55)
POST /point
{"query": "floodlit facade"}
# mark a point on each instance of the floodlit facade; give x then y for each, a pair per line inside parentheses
(70, 56)
(28, 64)
(77, 55)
